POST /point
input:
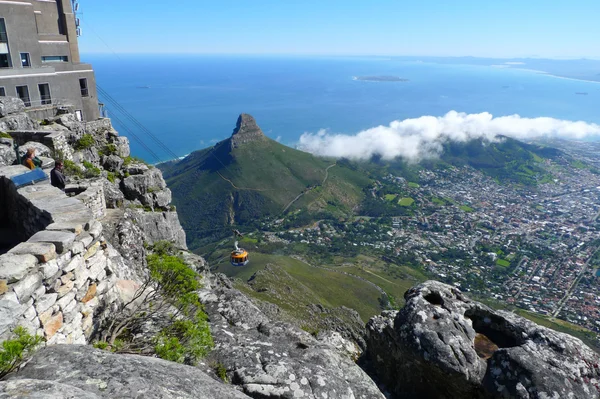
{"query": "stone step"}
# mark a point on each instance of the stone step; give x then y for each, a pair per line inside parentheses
(61, 239)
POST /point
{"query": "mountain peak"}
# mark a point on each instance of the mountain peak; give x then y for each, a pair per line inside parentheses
(246, 130)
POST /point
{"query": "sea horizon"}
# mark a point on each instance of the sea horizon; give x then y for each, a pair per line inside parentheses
(192, 101)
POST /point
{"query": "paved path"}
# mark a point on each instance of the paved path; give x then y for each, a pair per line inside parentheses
(309, 189)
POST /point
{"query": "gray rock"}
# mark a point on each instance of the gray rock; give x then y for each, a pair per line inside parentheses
(277, 360)
(37, 389)
(108, 375)
(441, 344)
(62, 240)
(14, 267)
(45, 302)
(159, 226)
(76, 128)
(27, 286)
(10, 310)
(7, 155)
(112, 162)
(43, 251)
(136, 187)
(112, 195)
(246, 131)
(122, 144)
(11, 105)
(40, 149)
(16, 122)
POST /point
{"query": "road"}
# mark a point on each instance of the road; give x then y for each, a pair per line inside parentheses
(569, 292)
(309, 189)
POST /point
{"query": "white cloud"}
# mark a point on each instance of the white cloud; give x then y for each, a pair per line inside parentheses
(419, 138)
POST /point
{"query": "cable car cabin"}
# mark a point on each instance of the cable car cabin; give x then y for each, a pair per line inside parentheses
(239, 257)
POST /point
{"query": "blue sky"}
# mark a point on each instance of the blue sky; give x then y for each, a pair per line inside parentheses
(483, 28)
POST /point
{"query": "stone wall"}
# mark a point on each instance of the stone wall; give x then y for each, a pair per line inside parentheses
(54, 283)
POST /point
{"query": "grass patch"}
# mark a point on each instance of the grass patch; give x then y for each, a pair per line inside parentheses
(502, 263)
(5, 135)
(390, 197)
(578, 164)
(406, 201)
(413, 185)
(466, 208)
(86, 141)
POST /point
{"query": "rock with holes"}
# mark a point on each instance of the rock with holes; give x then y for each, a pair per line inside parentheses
(442, 344)
(274, 359)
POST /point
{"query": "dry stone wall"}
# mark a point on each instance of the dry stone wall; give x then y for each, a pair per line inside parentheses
(54, 283)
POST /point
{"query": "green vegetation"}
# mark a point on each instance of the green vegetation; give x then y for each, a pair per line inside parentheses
(257, 180)
(109, 149)
(14, 351)
(91, 170)
(413, 185)
(502, 262)
(221, 372)
(466, 208)
(72, 169)
(578, 164)
(129, 160)
(86, 141)
(110, 176)
(5, 135)
(390, 197)
(168, 292)
(406, 201)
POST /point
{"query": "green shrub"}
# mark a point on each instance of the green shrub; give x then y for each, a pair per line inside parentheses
(101, 345)
(72, 169)
(91, 170)
(110, 176)
(221, 372)
(5, 135)
(14, 351)
(170, 288)
(129, 160)
(45, 122)
(86, 141)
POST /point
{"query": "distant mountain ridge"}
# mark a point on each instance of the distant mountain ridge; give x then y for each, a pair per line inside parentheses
(248, 176)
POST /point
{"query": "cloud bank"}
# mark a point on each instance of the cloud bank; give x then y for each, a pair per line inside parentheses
(420, 138)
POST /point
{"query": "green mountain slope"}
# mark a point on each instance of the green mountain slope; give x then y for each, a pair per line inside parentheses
(248, 177)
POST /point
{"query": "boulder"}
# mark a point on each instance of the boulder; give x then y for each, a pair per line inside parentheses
(101, 374)
(275, 359)
(112, 162)
(16, 122)
(122, 144)
(159, 226)
(40, 149)
(7, 155)
(76, 127)
(442, 344)
(112, 195)
(11, 105)
(137, 186)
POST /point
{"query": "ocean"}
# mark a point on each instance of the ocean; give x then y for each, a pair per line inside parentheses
(190, 101)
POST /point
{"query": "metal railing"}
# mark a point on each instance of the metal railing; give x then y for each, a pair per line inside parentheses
(85, 92)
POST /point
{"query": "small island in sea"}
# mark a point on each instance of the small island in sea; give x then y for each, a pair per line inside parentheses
(381, 78)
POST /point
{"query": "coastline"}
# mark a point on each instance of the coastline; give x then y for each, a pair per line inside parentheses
(551, 74)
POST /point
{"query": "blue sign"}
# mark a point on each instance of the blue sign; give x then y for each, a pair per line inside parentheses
(28, 178)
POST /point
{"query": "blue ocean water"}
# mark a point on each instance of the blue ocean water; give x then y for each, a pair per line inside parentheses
(191, 101)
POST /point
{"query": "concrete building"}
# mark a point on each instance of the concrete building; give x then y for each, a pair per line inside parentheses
(39, 57)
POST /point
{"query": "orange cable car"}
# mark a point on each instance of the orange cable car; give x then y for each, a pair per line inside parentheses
(239, 256)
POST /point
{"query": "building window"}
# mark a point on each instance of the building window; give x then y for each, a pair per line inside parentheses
(25, 61)
(23, 93)
(2, 92)
(79, 115)
(55, 58)
(84, 87)
(5, 61)
(45, 93)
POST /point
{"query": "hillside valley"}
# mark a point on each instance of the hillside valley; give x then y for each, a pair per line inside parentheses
(489, 217)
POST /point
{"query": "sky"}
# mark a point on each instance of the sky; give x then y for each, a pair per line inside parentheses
(489, 28)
